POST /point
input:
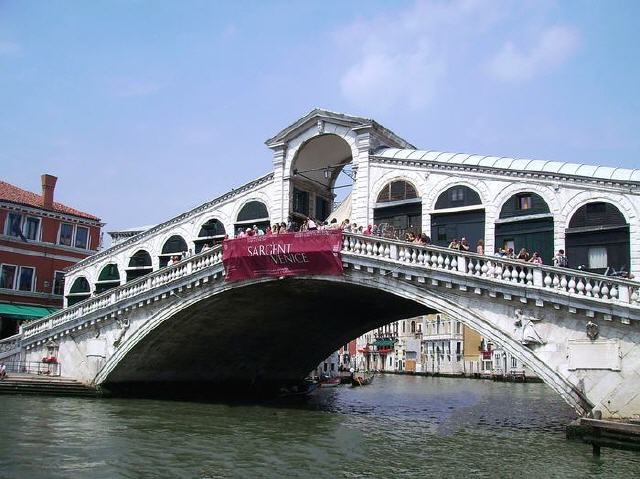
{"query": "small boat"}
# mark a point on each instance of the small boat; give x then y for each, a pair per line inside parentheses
(330, 382)
(361, 379)
(302, 389)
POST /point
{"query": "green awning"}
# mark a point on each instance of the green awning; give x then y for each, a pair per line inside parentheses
(24, 312)
(384, 343)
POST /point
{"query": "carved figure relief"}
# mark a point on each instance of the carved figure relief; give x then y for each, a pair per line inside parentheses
(593, 331)
(525, 329)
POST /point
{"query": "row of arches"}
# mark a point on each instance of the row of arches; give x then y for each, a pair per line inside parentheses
(596, 237)
(140, 263)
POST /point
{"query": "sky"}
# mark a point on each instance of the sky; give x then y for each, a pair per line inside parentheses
(145, 109)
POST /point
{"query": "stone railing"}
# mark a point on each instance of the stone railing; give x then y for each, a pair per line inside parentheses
(11, 343)
(513, 272)
(129, 290)
(394, 253)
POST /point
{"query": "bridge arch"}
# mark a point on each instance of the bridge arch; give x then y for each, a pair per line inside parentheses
(146, 353)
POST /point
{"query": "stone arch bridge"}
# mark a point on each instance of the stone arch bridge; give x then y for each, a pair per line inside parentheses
(131, 320)
(184, 324)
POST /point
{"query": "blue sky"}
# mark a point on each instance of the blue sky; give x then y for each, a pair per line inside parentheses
(147, 108)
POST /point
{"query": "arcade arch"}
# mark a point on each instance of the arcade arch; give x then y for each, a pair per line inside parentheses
(79, 291)
(458, 213)
(316, 179)
(108, 278)
(212, 232)
(597, 238)
(139, 265)
(399, 205)
(174, 246)
(525, 221)
(253, 212)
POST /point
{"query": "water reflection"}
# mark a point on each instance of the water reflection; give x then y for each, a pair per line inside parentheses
(398, 426)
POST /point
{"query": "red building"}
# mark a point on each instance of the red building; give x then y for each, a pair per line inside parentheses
(39, 238)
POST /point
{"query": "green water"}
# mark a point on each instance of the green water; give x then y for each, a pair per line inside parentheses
(397, 427)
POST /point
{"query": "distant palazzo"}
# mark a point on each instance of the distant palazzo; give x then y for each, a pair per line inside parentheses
(590, 211)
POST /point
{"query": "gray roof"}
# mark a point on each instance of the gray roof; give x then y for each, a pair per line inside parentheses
(608, 173)
(323, 114)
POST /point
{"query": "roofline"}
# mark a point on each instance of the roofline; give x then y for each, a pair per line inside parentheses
(198, 209)
(343, 117)
(378, 155)
(92, 219)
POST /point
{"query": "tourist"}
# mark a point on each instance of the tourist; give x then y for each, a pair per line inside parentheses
(283, 228)
(510, 254)
(267, 231)
(368, 231)
(523, 255)
(257, 231)
(536, 258)
(205, 247)
(333, 224)
(560, 260)
(455, 244)
(311, 225)
(240, 233)
(500, 253)
(375, 231)
(409, 236)
(344, 226)
(480, 247)
(464, 245)
(3, 372)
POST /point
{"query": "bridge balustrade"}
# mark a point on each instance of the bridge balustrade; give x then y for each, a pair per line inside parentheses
(560, 280)
(391, 251)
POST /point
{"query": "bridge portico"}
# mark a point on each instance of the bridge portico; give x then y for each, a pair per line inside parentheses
(133, 319)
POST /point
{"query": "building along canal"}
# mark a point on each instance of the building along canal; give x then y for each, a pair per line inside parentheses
(400, 426)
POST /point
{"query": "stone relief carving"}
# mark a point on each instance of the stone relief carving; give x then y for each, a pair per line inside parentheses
(123, 325)
(525, 329)
(593, 331)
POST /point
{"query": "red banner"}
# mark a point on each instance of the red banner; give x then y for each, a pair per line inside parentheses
(290, 254)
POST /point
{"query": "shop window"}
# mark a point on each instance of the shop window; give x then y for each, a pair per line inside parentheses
(597, 257)
(442, 233)
(7, 276)
(25, 280)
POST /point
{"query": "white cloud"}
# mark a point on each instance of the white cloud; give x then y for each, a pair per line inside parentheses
(406, 58)
(10, 49)
(552, 48)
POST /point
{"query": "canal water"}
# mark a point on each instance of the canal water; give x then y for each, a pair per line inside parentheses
(400, 426)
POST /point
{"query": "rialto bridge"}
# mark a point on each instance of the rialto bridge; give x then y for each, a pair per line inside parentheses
(132, 321)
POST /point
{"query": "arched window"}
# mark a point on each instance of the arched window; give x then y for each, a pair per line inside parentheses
(212, 233)
(174, 246)
(458, 213)
(399, 206)
(139, 265)
(525, 222)
(80, 290)
(397, 191)
(598, 238)
(252, 213)
(109, 278)
(457, 196)
(413, 326)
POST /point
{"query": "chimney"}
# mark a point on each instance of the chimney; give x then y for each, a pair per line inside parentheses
(48, 186)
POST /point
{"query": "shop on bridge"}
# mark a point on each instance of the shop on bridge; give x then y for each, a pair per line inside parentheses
(525, 221)
(458, 213)
(174, 246)
(79, 291)
(598, 238)
(109, 278)
(252, 213)
(139, 265)
(211, 233)
(398, 205)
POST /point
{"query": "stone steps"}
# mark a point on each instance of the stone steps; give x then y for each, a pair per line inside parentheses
(43, 385)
